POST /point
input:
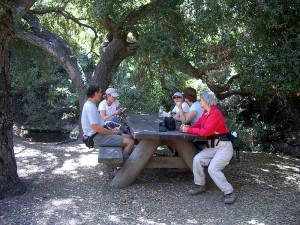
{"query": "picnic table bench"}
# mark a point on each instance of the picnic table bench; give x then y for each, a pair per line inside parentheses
(145, 129)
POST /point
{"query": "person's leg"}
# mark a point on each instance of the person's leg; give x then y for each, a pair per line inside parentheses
(220, 160)
(127, 146)
(108, 140)
(115, 140)
(203, 158)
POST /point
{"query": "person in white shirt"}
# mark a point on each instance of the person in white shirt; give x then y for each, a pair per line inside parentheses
(178, 99)
(109, 108)
(92, 124)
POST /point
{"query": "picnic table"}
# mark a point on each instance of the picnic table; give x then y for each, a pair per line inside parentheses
(145, 128)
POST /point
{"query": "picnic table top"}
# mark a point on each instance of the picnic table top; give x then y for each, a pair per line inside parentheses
(146, 126)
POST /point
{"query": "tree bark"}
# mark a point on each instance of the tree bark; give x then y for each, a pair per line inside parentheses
(111, 57)
(10, 184)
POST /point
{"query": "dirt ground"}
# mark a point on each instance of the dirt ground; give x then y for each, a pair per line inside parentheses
(66, 185)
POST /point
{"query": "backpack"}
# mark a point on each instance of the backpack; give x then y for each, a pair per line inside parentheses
(88, 140)
(234, 139)
(170, 123)
(235, 144)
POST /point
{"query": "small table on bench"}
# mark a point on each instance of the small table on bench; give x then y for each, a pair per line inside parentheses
(145, 129)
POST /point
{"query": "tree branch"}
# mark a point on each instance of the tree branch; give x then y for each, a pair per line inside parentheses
(67, 15)
(142, 12)
(221, 90)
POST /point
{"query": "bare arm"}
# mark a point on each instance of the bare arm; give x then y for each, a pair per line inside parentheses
(105, 117)
(104, 131)
(188, 117)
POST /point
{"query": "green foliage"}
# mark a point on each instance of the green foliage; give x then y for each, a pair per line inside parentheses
(269, 57)
(42, 93)
(258, 40)
(70, 26)
(261, 131)
(145, 89)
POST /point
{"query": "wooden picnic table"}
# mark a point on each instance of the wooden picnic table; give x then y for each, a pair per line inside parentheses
(145, 128)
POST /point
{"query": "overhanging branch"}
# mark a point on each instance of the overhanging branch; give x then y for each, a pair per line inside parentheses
(67, 15)
(221, 90)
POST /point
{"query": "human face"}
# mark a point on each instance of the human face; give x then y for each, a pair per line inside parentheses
(111, 98)
(202, 103)
(177, 99)
(98, 95)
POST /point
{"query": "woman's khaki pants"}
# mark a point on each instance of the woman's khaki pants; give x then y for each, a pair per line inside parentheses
(216, 159)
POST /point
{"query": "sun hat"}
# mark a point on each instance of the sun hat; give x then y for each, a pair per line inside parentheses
(112, 92)
(178, 94)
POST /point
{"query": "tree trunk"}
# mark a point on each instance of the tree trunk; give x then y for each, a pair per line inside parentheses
(10, 183)
(111, 57)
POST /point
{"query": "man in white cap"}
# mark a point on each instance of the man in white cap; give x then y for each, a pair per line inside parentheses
(109, 107)
(178, 100)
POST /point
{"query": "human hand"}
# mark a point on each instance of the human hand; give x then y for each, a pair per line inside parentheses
(117, 112)
(179, 104)
(123, 109)
(116, 131)
(184, 128)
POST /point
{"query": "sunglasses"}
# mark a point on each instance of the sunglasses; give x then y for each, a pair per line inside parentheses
(176, 97)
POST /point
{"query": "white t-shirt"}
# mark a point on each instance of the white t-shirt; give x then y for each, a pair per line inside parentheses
(90, 115)
(109, 109)
(185, 108)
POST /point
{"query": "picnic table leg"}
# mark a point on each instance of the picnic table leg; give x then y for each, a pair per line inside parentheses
(186, 150)
(135, 163)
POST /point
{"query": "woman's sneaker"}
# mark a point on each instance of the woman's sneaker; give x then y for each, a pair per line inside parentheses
(197, 189)
(229, 198)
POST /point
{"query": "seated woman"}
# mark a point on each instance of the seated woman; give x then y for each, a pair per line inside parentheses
(195, 111)
(219, 152)
(109, 111)
(109, 107)
(178, 100)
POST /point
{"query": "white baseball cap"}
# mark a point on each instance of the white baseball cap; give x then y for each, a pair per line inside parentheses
(112, 92)
(178, 94)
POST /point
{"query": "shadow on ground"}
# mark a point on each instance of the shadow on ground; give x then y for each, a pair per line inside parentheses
(66, 185)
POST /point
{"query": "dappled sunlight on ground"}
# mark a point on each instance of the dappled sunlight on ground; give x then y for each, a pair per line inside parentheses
(66, 185)
(71, 165)
(254, 222)
(278, 167)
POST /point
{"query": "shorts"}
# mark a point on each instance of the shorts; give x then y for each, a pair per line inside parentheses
(108, 140)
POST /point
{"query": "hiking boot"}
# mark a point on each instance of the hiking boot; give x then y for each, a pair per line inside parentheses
(229, 198)
(197, 189)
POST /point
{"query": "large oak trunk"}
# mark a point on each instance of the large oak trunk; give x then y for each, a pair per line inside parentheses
(111, 57)
(10, 183)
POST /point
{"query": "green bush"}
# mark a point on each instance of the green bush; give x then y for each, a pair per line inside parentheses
(42, 93)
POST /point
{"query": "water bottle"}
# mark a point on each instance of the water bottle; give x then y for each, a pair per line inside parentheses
(160, 112)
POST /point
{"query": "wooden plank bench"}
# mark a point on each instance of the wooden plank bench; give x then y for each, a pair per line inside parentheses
(110, 155)
(157, 162)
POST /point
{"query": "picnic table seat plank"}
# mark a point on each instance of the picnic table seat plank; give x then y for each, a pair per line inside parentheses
(158, 162)
(110, 155)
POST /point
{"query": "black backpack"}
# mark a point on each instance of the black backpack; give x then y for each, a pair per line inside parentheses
(234, 140)
(170, 123)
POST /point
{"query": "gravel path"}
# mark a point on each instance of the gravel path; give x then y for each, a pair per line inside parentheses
(66, 185)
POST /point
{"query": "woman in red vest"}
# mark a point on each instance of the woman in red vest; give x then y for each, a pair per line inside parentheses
(220, 150)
